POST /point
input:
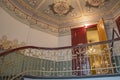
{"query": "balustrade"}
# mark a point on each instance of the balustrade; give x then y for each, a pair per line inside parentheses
(89, 60)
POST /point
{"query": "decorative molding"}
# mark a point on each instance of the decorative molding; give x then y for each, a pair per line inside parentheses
(117, 6)
(95, 3)
(61, 55)
(52, 26)
(64, 31)
(61, 8)
(27, 19)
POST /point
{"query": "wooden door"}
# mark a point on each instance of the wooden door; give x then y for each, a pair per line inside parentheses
(105, 57)
(101, 30)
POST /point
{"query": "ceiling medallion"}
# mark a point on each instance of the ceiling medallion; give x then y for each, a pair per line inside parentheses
(61, 8)
(95, 3)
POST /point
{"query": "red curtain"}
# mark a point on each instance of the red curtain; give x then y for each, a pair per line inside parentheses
(78, 37)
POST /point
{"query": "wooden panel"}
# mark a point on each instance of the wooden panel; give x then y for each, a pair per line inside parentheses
(101, 31)
(106, 57)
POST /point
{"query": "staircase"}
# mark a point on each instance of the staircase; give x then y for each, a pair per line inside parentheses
(91, 60)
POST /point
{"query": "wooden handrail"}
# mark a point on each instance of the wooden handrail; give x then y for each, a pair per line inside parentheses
(57, 48)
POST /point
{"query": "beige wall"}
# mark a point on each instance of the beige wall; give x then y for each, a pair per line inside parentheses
(64, 41)
(14, 29)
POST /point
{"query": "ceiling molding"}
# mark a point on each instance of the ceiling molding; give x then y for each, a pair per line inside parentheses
(36, 17)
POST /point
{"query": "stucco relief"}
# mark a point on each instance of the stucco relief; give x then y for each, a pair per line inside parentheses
(61, 8)
(35, 13)
(5, 43)
(65, 31)
(95, 3)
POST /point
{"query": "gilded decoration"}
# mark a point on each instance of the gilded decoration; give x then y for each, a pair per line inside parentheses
(5, 43)
(54, 55)
(56, 17)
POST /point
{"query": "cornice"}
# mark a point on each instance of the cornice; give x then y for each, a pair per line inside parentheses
(28, 19)
(56, 30)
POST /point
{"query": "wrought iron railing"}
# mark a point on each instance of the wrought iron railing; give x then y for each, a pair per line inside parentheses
(100, 58)
(81, 60)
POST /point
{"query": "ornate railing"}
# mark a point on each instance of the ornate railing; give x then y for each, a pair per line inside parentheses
(83, 60)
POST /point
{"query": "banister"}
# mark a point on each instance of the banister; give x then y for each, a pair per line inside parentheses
(57, 48)
(70, 61)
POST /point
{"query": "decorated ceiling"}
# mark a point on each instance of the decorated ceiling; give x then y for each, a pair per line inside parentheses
(58, 16)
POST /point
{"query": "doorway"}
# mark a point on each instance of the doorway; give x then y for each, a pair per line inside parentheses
(99, 55)
(94, 51)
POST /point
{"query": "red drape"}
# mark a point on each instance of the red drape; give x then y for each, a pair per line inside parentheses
(78, 36)
(78, 60)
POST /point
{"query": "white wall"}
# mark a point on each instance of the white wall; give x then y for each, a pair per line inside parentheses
(64, 41)
(11, 27)
(17, 30)
(42, 39)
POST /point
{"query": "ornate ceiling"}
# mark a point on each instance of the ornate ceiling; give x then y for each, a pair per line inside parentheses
(58, 16)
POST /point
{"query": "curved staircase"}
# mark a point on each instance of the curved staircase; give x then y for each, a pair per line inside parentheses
(89, 60)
